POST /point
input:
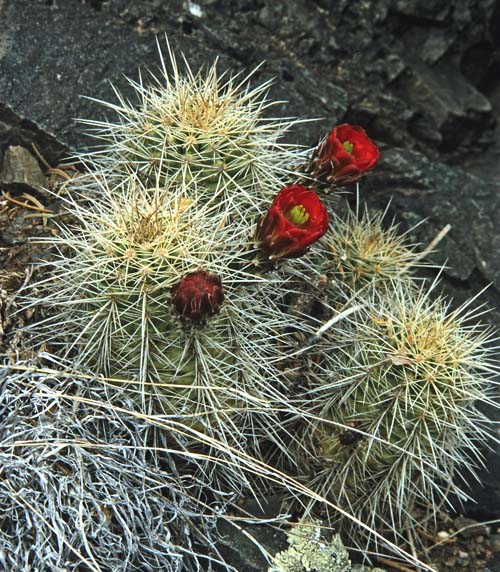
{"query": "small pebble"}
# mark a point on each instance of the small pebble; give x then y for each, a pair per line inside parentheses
(495, 542)
(471, 528)
(442, 534)
(195, 9)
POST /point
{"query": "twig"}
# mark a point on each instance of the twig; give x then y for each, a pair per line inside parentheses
(451, 538)
(37, 208)
(394, 564)
(314, 339)
(435, 538)
(61, 173)
(52, 170)
(40, 156)
(430, 247)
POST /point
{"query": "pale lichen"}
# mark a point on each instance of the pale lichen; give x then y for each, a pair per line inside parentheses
(311, 550)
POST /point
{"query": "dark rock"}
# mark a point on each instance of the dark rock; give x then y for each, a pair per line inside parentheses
(455, 109)
(423, 9)
(16, 129)
(469, 528)
(435, 46)
(495, 542)
(486, 494)
(242, 552)
(21, 170)
(56, 83)
(19, 230)
(236, 544)
(421, 189)
(102, 51)
(424, 128)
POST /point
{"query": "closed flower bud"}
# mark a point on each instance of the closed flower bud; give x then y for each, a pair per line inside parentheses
(198, 295)
(343, 156)
(295, 220)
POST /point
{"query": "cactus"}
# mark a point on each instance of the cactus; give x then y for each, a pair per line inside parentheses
(363, 251)
(111, 295)
(159, 206)
(395, 400)
(204, 133)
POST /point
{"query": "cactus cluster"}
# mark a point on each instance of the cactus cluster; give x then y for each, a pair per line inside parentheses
(170, 282)
(395, 388)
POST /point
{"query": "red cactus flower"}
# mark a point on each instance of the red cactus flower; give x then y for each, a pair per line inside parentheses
(344, 155)
(198, 295)
(294, 221)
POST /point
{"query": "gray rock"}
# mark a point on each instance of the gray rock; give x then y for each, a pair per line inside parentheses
(243, 553)
(421, 189)
(21, 170)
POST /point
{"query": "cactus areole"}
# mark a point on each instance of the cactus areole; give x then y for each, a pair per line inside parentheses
(197, 296)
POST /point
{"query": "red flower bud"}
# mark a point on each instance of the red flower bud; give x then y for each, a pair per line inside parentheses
(294, 221)
(198, 295)
(344, 156)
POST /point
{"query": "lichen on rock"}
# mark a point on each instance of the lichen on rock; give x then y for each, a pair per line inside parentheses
(311, 550)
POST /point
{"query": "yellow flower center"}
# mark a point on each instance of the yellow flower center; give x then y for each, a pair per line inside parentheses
(298, 215)
(348, 146)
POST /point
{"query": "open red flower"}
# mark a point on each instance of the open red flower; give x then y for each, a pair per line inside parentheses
(198, 295)
(295, 220)
(344, 156)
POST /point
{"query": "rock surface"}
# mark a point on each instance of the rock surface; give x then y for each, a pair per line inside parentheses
(21, 170)
(411, 72)
(422, 76)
